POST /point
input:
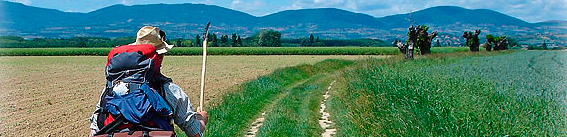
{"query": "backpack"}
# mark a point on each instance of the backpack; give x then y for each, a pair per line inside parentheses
(133, 97)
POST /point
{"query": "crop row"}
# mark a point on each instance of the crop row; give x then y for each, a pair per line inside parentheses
(513, 94)
(224, 51)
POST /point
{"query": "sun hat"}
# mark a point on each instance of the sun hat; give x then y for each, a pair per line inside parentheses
(154, 36)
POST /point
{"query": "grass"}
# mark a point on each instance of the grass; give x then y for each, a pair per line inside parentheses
(237, 109)
(492, 95)
(225, 51)
(297, 113)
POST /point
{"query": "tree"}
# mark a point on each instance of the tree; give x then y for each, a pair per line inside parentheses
(186, 43)
(311, 40)
(395, 42)
(198, 41)
(268, 38)
(499, 42)
(224, 41)
(178, 43)
(424, 39)
(234, 40)
(239, 41)
(304, 43)
(437, 44)
(318, 43)
(82, 44)
(213, 40)
(472, 41)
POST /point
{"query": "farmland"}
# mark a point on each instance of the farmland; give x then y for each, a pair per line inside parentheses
(516, 94)
(451, 94)
(471, 94)
(55, 95)
(225, 51)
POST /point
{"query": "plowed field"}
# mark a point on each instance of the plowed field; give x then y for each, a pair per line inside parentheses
(55, 96)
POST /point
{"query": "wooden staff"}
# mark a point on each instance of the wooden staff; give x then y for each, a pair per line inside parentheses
(203, 70)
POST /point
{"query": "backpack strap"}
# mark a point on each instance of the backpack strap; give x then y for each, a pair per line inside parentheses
(111, 126)
(133, 86)
(102, 110)
(158, 81)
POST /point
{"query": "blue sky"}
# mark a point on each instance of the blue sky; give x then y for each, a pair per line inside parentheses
(528, 10)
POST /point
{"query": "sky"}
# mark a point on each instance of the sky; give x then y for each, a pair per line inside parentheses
(527, 10)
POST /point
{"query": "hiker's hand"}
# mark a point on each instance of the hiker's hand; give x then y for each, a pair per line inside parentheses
(92, 133)
(205, 116)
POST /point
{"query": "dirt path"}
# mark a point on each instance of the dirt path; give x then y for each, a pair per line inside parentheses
(255, 126)
(324, 121)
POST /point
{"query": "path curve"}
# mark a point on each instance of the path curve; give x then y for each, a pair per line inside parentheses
(324, 121)
(256, 126)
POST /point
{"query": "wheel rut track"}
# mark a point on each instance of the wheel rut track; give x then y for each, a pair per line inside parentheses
(532, 62)
(255, 126)
(554, 58)
(325, 121)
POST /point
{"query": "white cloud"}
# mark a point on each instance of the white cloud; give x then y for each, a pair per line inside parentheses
(528, 10)
(236, 2)
(26, 2)
(125, 2)
(248, 6)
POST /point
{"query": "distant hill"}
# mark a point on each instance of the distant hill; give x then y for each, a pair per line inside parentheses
(19, 16)
(451, 15)
(325, 18)
(188, 20)
(552, 23)
(162, 13)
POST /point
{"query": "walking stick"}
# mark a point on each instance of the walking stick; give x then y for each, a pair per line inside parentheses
(204, 69)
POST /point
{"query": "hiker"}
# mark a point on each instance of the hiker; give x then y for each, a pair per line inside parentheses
(138, 99)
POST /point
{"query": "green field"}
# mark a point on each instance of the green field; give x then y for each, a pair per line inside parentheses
(224, 51)
(516, 93)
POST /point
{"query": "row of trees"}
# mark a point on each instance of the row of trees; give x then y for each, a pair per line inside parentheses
(264, 38)
(498, 42)
(214, 41)
(19, 42)
(311, 42)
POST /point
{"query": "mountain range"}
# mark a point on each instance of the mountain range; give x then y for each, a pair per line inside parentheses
(188, 20)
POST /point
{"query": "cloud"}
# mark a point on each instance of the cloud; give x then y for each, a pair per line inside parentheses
(125, 2)
(528, 10)
(248, 6)
(26, 2)
(301, 4)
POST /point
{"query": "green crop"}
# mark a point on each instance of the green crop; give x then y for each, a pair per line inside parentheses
(223, 51)
(516, 94)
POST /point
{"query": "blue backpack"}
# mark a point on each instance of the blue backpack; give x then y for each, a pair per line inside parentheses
(133, 97)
